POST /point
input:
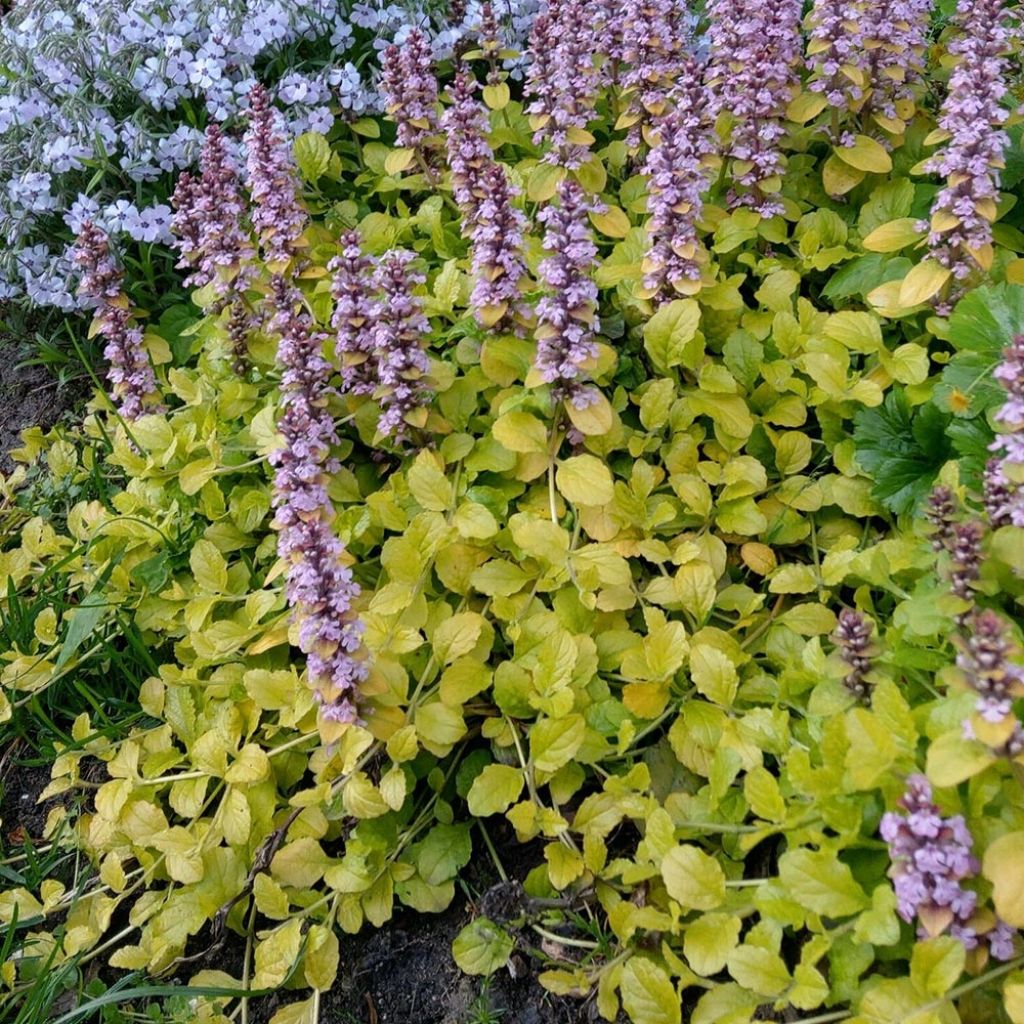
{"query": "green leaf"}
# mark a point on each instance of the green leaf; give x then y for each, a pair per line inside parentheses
(82, 621)
(901, 449)
(648, 995)
(1001, 867)
(444, 850)
(482, 947)
(817, 880)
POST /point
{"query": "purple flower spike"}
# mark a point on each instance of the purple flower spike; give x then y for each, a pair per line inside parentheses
(984, 661)
(677, 179)
(208, 221)
(319, 587)
(410, 89)
(277, 215)
(562, 80)
(499, 267)
(853, 638)
(130, 373)
(1004, 494)
(835, 44)
(353, 318)
(973, 115)
(931, 856)
(567, 317)
(469, 155)
(654, 36)
(755, 49)
(893, 34)
(399, 332)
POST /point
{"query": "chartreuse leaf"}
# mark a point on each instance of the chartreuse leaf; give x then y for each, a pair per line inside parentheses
(1001, 866)
(494, 790)
(936, 964)
(820, 882)
(670, 335)
(648, 995)
(482, 947)
(693, 879)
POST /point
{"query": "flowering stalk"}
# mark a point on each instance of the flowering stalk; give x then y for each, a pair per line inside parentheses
(499, 266)
(562, 81)
(567, 317)
(277, 214)
(130, 373)
(931, 856)
(965, 555)
(210, 233)
(893, 34)
(984, 661)
(489, 219)
(319, 587)
(680, 141)
(399, 330)
(835, 53)
(208, 221)
(754, 53)
(409, 87)
(853, 638)
(465, 127)
(354, 311)
(940, 511)
(972, 118)
(654, 36)
(1004, 478)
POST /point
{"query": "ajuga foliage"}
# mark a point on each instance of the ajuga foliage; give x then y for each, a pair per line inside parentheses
(632, 459)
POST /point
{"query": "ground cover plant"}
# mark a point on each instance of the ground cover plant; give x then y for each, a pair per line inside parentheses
(627, 459)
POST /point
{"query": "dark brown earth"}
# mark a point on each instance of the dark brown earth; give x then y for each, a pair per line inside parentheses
(29, 396)
(404, 973)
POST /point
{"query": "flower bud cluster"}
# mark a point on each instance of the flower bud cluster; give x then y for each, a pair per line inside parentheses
(131, 377)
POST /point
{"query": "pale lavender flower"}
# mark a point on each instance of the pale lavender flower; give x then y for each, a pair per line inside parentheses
(277, 214)
(677, 175)
(973, 115)
(130, 373)
(499, 266)
(400, 329)
(755, 50)
(409, 86)
(354, 312)
(1004, 494)
(567, 316)
(930, 856)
